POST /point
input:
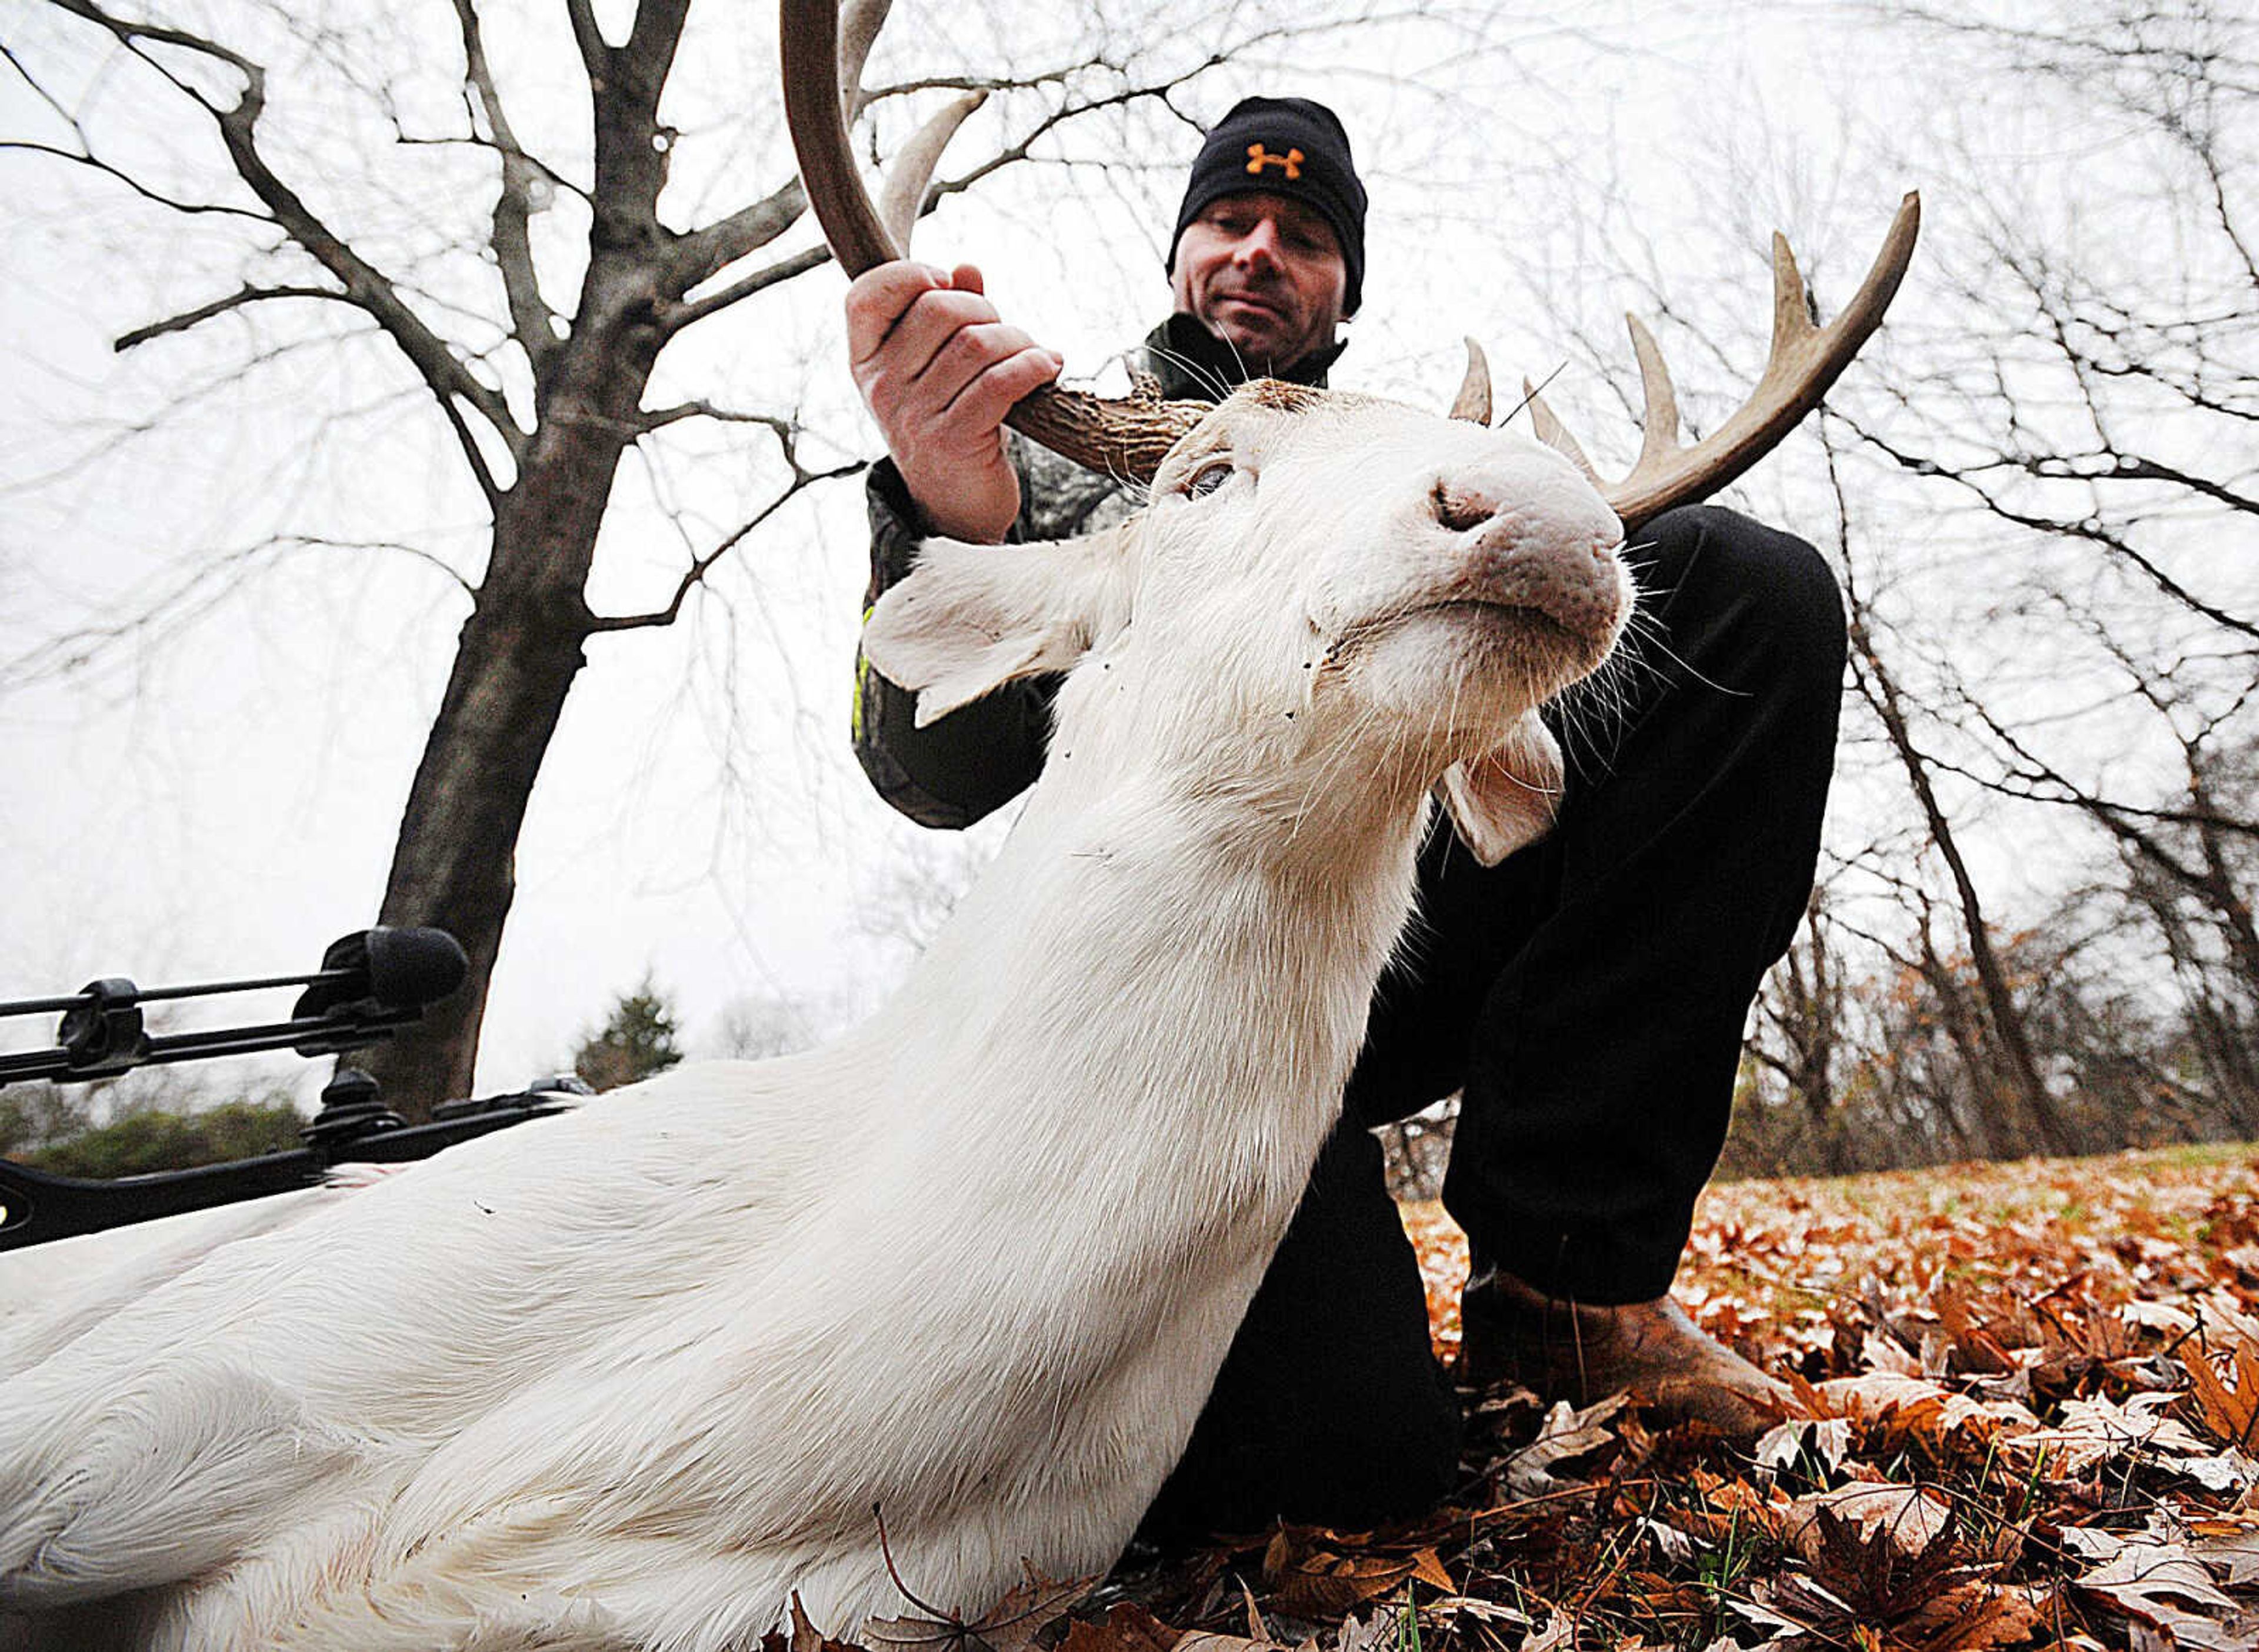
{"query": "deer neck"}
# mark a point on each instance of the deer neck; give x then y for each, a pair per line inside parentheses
(1153, 955)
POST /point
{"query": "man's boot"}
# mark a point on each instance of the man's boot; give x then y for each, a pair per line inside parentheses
(1581, 1352)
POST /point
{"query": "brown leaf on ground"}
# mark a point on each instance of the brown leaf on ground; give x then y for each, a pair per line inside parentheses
(805, 1636)
(1127, 1628)
(2231, 1406)
(2229, 1549)
(1909, 1518)
(1429, 1569)
(2162, 1585)
(2092, 1433)
(2059, 1351)
(1920, 1407)
(1976, 1617)
(1304, 1581)
(1565, 1436)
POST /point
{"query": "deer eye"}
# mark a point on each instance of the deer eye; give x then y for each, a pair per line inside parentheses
(1208, 478)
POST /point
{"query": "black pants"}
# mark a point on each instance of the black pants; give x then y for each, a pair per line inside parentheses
(1588, 997)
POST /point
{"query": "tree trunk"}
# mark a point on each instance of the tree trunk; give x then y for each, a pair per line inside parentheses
(454, 863)
(2007, 1021)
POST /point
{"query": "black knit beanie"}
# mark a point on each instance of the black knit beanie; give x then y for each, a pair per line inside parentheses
(1283, 146)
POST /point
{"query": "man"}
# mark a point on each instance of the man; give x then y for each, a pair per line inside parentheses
(1586, 997)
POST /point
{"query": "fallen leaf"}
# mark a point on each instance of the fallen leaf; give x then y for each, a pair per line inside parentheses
(1974, 1617)
(2230, 1552)
(1919, 1404)
(1470, 1606)
(2231, 1408)
(1884, 1354)
(1675, 1544)
(1828, 1439)
(1128, 1627)
(1320, 1583)
(2229, 1472)
(1565, 1436)
(805, 1636)
(2093, 1432)
(1912, 1518)
(2140, 1575)
(1429, 1569)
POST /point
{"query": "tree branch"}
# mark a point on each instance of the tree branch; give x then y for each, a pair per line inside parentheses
(660, 418)
(653, 39)
(130, 35)
(2024, 785)
(704, 253)
(367, 286)
(695, 575)
(211, 577)
(531, 319)
(784, 269)
(632, 149)
(248, 294)
(447, 378)
(95, 163)
(596, 55)
(2110, 466)
(2090, 528)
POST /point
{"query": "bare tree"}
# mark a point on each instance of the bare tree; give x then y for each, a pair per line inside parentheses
(2004, 1016)
(2089, 421)
(543, 393)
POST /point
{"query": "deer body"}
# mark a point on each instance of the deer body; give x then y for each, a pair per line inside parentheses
(633, 1376)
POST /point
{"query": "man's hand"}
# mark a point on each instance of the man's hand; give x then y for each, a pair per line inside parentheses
(938, 370)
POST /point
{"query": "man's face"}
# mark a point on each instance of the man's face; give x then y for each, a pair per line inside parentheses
(1264, 273)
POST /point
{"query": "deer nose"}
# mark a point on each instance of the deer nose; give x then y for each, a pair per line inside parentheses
(1539, 548)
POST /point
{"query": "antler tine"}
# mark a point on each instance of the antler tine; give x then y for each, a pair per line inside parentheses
(1659, 424)
(858, 29)
(1792, 320)
(1122, 438)
(1547, 428)
(1472, 402)
(1805, 359)
(903, 197)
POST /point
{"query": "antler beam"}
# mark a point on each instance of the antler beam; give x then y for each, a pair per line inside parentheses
(1124, 437)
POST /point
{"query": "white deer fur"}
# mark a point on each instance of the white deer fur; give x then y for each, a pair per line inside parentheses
(631, 1375)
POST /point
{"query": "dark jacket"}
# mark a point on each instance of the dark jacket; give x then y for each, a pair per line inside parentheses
(980, 757)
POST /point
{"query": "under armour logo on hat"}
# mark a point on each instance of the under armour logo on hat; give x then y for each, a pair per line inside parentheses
(1290, 163)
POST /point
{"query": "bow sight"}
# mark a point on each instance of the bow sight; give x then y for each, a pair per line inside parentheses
(371, 983)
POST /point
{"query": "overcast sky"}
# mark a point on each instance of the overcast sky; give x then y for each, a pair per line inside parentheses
(218, 795)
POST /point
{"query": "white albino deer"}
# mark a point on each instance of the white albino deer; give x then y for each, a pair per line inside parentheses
(633, 1376)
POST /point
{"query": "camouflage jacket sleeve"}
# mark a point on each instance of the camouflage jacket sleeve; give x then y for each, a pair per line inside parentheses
(969, 763)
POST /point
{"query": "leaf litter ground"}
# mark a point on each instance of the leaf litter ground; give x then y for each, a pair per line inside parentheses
(2033, 1399)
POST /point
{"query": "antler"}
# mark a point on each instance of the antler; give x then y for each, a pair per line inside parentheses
(1472, 402)
(1805, 359)
(1126, 438)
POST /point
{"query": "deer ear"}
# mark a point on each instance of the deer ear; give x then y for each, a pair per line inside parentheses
(971, 618)
(1504, 800)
